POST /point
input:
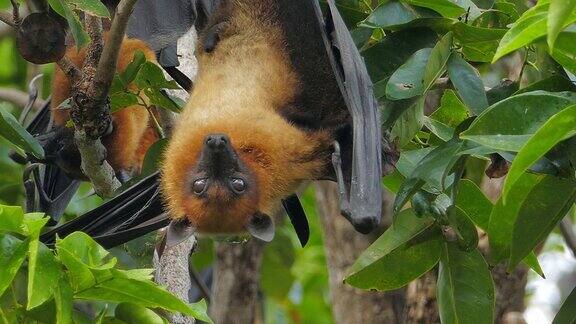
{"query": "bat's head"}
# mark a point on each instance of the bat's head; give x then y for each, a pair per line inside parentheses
(226, 175)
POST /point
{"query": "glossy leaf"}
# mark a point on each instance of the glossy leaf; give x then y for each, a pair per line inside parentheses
(474, 203)
(406, 82)
(63, 298)
(405, 251)
(559, 127)
(92, 7)
(11, 219)
(567, 312)
(389, 14)
(478, 44)
(467, 82)
(16, 134)
(133, 67)
(452, 111)
(80, 36)
(151, 75)
(465, 287)
(135, 314)
(531, 26)
(545, 205)
(564, 51)
(465, 229)
(444, 7)
(559, 16)
(503, 217)
(121, 100)
(44, 272)
(508, 124)
(153, 157)
(12, 254)
(436, 65)
(143, 293)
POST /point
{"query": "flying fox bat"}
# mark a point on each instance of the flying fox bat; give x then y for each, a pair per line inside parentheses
(282, 96)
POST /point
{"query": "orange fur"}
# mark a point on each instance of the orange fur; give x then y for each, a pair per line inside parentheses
(128, 142)
(239, 90)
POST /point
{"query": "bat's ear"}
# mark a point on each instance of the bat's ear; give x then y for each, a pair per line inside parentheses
(261, 227)
(177, 232)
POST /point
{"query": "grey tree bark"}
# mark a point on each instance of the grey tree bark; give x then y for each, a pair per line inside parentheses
(235, 291)
(343, 246)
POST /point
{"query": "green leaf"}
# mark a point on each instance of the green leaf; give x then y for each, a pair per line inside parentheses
(11, 219)
(532, 261)
(465, 229)
(389, 14)
(567, 312)
(474, 203)
(452, 111)
(160, 100)
(397, 51)
(133, 68)
(405, 251)
(121, 100)
(406, 82)
(150, 75)
(559, 16)
(508, 124)
(409, 123)
(446, 8)
(146, 294)
(531, 26)
(564, 51)
(12, 254)
(465, 287)
(552, 197)
(554, 83)
(436, 65)
(16, 134)
(135, 314)
(63, 298)
(80, 253)
(478, 44)
(443, 131)
(44, 272)
(80, 36)
(467, 82)
(503, 217)
(34, 223)
(153, 157)
(92, 7)
(558, 128)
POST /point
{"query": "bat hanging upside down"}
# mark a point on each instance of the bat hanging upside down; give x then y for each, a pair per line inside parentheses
(264, 114)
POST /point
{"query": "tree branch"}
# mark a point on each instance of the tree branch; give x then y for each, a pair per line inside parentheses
(18, 98)
(93, 27)
(172, 272)
(72, 71)
(568, 234)
(95, 166)
(7, 19)
(109, 58)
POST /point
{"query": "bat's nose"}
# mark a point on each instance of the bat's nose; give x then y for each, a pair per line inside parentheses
(216, 141)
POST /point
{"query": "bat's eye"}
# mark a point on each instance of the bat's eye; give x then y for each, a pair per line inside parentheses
(199, 186)
(238, 185)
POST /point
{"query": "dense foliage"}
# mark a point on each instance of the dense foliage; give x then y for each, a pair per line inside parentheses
(441, 70)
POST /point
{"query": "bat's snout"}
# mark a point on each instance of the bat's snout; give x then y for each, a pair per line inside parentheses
(216, 141)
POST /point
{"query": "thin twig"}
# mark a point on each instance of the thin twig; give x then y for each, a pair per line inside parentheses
(15, 12)
(568, 233)
(109, 58)
(17, 97)
(7, 19)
